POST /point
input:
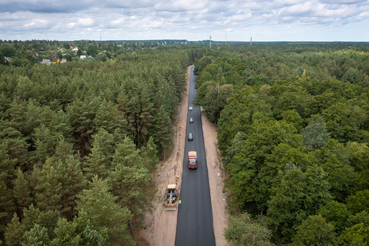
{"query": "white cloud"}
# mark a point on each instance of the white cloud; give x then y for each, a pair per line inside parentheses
(85, 21)
(189, 19)
(362, 15)
(70, 25)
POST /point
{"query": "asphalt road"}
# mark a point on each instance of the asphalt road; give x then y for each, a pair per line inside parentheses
(195, 219)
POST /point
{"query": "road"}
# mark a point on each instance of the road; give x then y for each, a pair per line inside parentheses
(195, 219)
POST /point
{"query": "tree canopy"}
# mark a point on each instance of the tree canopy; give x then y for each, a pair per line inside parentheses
(293, 132)
(80, 141)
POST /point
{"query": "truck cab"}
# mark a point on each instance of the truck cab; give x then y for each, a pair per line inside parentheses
(192, 160)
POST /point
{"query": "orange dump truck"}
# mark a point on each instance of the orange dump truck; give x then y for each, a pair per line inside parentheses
(192, 160)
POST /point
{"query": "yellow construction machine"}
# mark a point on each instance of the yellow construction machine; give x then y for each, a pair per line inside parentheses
(171, 197)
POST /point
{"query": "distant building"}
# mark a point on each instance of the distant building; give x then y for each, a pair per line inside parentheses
(55, 60)
(63, 60)
(46, 61)
(82, 57)
(75, 50)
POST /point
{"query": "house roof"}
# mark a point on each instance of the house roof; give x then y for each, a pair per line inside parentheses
(55, 60)
(46, 61)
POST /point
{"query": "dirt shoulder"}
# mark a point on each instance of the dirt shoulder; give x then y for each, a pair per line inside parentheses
(216, 183)
(160, 226)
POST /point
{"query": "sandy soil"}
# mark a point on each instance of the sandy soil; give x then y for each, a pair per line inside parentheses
(216, 184)
(161, 225)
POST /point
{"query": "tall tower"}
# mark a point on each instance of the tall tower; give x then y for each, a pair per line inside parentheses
(250, 40)
(210, 43)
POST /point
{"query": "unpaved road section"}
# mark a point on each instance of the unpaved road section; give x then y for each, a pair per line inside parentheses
(160, 226)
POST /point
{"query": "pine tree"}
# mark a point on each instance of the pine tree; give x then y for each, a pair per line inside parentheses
(123, 105)
(107, 142)
(163, 134)
(54, 127)
(47, 219)
(87, 231)
(104, 117)
(13, 142)
(73, 183)
(147, 110)
(136, 110)
(81, 115)
(66, 234)
(78, 232)
(32, 116)
(16, 112)
(150, 154)
(37, 236)
(128, 183)
(21, 192)
(95, 163)
(14, 232)
(45, 144)
(127, 154)
(7, 207)
(70, 176)
(60, 126)
(49, 188)
(100, 207)
(109, 118)
(33, 180)
(129, 176)
(64, 150)
(6, 165)
(4, 105)
(99, 161)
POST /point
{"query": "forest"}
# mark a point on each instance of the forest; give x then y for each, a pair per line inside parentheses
(80, 141)
(293, 129)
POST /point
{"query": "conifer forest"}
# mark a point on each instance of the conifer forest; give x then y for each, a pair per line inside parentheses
(80, 141)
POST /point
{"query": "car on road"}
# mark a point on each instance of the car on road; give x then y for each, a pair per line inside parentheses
(191, 120)
(190, 108)
(190, 137)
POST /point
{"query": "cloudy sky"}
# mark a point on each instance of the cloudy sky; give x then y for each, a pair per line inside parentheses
(231, 20)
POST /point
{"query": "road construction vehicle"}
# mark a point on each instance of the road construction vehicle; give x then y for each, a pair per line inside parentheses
(171, 197)
(192, 160)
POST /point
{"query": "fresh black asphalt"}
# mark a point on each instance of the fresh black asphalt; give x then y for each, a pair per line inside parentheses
(195, 218)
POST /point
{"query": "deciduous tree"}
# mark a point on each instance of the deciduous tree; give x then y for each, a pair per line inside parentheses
(314, 231)
(244, 230)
